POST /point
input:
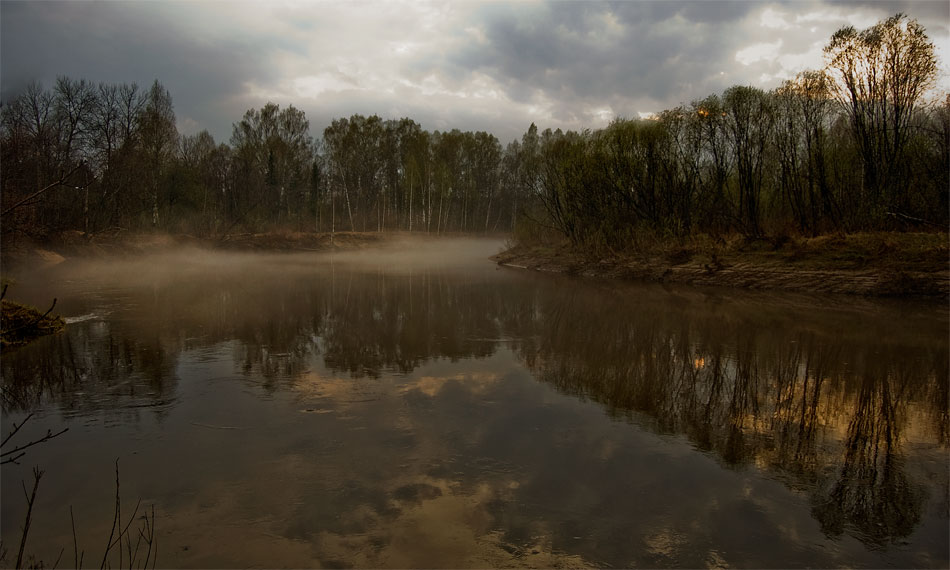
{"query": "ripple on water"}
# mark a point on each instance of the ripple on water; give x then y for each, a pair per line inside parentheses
(83, 318)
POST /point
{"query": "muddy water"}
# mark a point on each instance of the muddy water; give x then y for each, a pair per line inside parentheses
(419, 407)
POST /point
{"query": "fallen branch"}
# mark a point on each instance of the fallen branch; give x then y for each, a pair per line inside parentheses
(912, 219)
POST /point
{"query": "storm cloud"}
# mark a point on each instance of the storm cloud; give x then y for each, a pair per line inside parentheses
(475, 66)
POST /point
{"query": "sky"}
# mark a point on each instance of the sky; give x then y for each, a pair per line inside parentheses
(479, 66)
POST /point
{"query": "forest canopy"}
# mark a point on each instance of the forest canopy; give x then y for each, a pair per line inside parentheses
(862, 144)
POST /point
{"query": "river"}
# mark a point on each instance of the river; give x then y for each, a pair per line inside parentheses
(418, 406)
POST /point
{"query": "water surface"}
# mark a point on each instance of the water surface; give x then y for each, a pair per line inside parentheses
(420, 407)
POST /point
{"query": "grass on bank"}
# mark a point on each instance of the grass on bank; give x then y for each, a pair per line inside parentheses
(922, 251)
(927, 252)
(901, 263)
(19, 324)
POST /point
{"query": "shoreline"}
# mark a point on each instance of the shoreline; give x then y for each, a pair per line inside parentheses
(881, 264)
(887, 269)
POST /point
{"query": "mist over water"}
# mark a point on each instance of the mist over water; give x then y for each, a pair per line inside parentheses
(415, 405)
(176, 264)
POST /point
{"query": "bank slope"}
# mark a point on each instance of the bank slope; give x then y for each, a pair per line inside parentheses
(873, 264)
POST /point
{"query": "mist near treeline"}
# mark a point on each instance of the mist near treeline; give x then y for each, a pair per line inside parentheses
(165, 265)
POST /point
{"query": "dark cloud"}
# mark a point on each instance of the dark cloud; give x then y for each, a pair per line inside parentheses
(583, 53)
(557, 63)
(934, 11)
(637, 56)
(122, 43)
(716, 11)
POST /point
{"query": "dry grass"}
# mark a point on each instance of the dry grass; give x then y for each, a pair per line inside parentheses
(21, 323)
(880, 263)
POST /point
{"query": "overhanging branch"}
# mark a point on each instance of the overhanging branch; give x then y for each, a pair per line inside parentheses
(60, 182)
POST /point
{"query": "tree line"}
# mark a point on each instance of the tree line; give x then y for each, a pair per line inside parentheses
(850, 147)
(111, 157)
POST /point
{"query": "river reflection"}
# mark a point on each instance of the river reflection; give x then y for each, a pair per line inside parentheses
(391, 410)
(824, 403)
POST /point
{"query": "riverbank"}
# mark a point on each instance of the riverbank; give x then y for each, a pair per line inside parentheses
(871, 264)
(20, 324)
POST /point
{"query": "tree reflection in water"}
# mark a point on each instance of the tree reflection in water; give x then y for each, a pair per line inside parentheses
(818, 396)
(756, 389)
(95, 367)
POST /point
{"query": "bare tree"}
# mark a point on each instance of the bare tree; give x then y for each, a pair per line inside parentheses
(880, 75)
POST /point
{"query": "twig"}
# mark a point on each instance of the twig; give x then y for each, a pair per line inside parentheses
(148, 536)
(150, 529)
(138, 542)
(49, 435)
(76, 557)
(16, 428)
(125, 531)
(118, 511)
(58, 558)
(115, 518)
(37, 475)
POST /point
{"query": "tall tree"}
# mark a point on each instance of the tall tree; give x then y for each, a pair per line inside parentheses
(274, 150)
(749, 120)
(159, 143)
(803, 109)
(880, 75)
